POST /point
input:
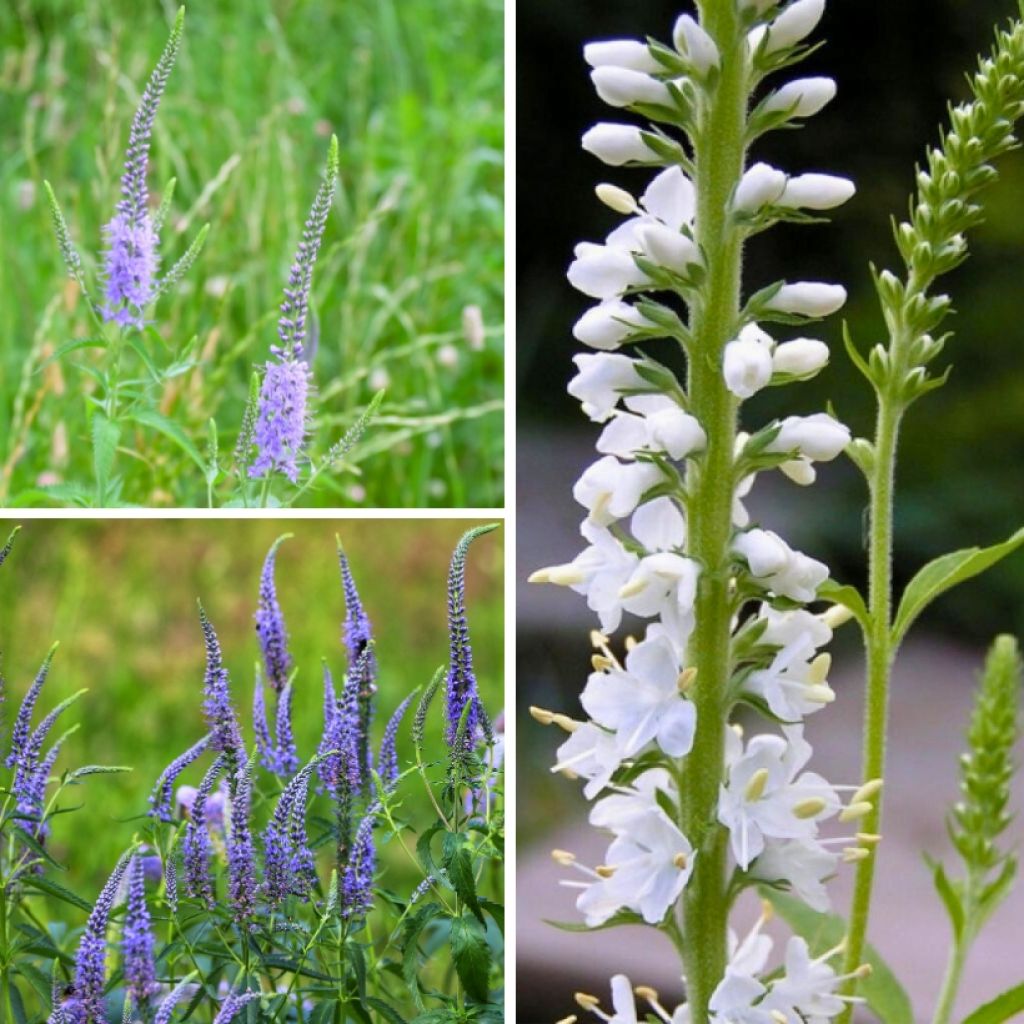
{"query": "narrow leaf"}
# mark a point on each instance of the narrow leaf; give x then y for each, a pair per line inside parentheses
(1003, 1007)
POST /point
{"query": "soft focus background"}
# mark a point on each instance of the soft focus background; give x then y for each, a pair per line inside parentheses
(961, 476)
(413, 89)
(120, 596)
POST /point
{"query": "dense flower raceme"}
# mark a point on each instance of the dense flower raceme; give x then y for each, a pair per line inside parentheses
(632, 749)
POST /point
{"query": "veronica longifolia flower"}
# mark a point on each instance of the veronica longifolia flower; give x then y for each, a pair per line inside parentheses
(196, 842)
(161, 797)
(240, 850)
(270, 627)
(225, 734)
(282, 417)
(387, 762)
(137, 941)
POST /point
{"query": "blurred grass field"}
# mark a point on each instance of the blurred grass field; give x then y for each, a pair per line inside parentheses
(413, 89)
(120, 596)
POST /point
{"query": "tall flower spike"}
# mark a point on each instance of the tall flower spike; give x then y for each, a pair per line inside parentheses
(27, 765)
(461, 686)
(270, 627)
(286, 756)
(264, 744)
(240, 849)
(137, 941)
(23, 721)
(225, 734)
(358, 637)
(161, 798)
(166, 1011)
(282, 416)
(284, 841)
(132, 259)
(387, 762)
(230, 1007)
(196, 842)
(357, 882)
(90, 962)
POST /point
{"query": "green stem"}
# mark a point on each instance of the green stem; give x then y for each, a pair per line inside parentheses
(6, 1005)
(720, 154)
(880, 652)
(951, 983)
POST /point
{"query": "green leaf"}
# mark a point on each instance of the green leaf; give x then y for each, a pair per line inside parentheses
(71, 346)
(459, 866)
(17, 1006)
(949, 896)
(323, 1012)
(848, 597)
(622, 917)
(105, 436)
(410, 949)
(1003, 1007)
(882, 992)
(472, 958)
(388, 1013)
(170, 430)
(943, 573)
(57, 891)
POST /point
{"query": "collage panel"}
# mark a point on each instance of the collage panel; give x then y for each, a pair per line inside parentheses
(252, 770)
(253, 254)
(758, 435)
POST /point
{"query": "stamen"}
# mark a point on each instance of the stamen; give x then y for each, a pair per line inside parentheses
(686, 679)
(571, 1019)
(617, 199)
(586, 1001)
(820, 694)
(566, 723)
(867, 791)
(542, 715)
(630, 642)
(539, 576)
(563, 857)
(755, 787)
(634, 588)
(856, 809)
(852, 854)
(564, 575)
(836, 616)
(680, 861)
(600, 663)
(809, 808)
(598, 639)
(820, 669)
(604, 870)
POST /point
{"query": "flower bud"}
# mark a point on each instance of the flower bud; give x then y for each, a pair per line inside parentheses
(692, 41)
(818, 437)
(606, 326)
(618, 144)
(816, 192)
(766, 554)
(803, 97)
(670, 249)
(621, 53)
(794, 24)
(747, 362)
(621, 87)
(808, 298)
(760, 186)
(800, 357)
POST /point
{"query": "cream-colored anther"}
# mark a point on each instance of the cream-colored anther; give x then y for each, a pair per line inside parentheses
(868, 838)
(855, 810)
(571, 1019)
(755, 787)
(836, 616)
(563, 857)
(601, 663)
(852, 854)
(680, 861)
(630, 642)
(542, 715)
(617, 199)
(587, 1001)
(598, 639)
(565, 722)
(819, 669)
(867, 791)
(686, 679)
(820, 694)
(646, 992)
(632, 589)
(564, 575)
(864, 971)
(809, 808)
(539, 576)
(604, 870)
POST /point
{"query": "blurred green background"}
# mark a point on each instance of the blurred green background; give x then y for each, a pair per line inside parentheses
(414, 91)
(120, 596)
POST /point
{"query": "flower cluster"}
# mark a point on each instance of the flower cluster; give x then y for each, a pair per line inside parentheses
(669, 541)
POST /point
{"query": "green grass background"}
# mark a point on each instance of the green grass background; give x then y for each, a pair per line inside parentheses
(413, 89)
(121, 596)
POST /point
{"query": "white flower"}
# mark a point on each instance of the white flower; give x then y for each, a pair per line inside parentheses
(616, 812)
(668, 248)
(648, 868)
(803, 863)
(618, 144)
(794, 24)
(671, 198)
(609, 324)
(591, 753)
(663, 427)
(734, 1000)
(761, 185)
(808, 298)
(803, 97)
(611, 490)
(740, 516)
(659, 525)
(641, 703)
(778, 567)
(793, 686)
(600, 382)
(747, 362)
(816, 192)
(665, 585)
(692, 41)
(623, 87)
(621, 53)
(819, 437)
(806, 991)
(767, 796)
(604, 271)
(784, 627)
(800, 357)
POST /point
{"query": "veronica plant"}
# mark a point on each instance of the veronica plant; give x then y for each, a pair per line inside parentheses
(356, 882)
(736, 618)
(272, 438)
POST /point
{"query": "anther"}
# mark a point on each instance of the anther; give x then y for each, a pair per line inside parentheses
(856, 809)
(680, 861)
(600, 663)
(542, 715)
(563, 857)
(617, 199)
(819, 669)
(836, 616)
(755, 787)
(852, 854)
(868, 838)
(809, 808)
(867, 791)
(686, 679)
(565, 722)
(587, 1002)
(604, 870)
(632, 589)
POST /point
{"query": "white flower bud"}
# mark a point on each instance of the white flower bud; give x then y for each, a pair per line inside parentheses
(670, 249)
(677, 432)
(606, 326)
(809, 298)
(621, 87)
(617, 199)
(816, 192)
(692, 41)
(765, 552)
(618, 144)
(819, 437)
(747, 362)
(760, 186)
(803, 97)
(794, 24)
(621, 53)
(800, 357)
(603, 271)
(600, 382)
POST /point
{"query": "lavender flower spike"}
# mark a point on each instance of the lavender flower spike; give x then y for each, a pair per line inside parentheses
(285, 848)
(387, 767)
(264, 744)
(357, 883)
(270, 627)
(23, 721)
(183, 988)
(196, 842)
(162, 795)
(241, 855)
(358, 636)
(137, 941)
(90, 963)
(281, 423)
(286, 758)
(132, 259)
(220, 712)
(462, 696)
(230, 1007)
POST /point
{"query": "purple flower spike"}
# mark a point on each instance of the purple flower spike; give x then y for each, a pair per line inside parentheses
(90, 963)
(264, 744)
(241, 855)
(23, 721)
(230, 1007)
(171, 883)
(196, 842)
(387, 767)
(462, 695)
(131, 259)
(287, 758)
(161, 797)
(137, 941)
(358, 637)
(225, 734)
(357, 883)
(183, 988)
(287, 859)
(270, 627)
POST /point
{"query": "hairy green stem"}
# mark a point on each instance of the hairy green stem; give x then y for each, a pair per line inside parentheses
(719, 160)
(6, 1006)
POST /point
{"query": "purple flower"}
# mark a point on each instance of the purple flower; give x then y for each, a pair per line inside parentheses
(23, 721)
(286, 755)
(30, 793)
(388, 760)
(171, 883)
(230, 1007)
(264, 744)
(270, 627)
(137, 940)
(196, 842)
(241, 855)
(226, 737)
(90, 963)
(358, 638)
(462, 696)
(183, 988)
(131, 260)
(160, 799)
(357, 882)
(288, 862)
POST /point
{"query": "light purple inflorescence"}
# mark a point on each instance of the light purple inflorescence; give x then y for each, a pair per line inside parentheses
(357, 883)
(232, 1004)
(387, 763)
(270, 627)
(226, 736)
(161, 798)
(358, 638)
(196, 841)
(240, 851)
(137, 941)
(287, 859)
(23, 720)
